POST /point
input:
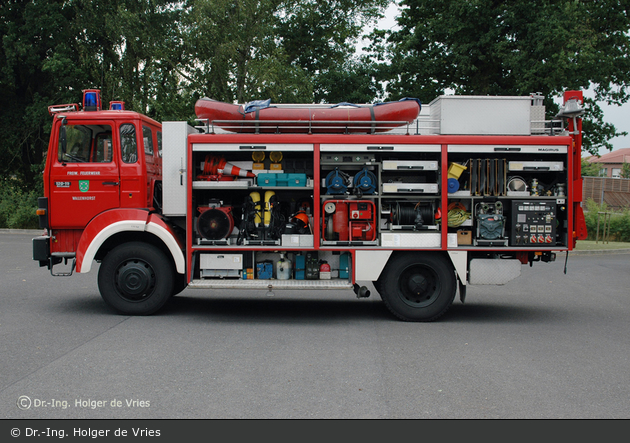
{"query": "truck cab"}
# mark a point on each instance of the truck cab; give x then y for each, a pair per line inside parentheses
(98, 160)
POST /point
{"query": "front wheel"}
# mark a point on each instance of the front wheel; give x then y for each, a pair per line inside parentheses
(418, 287)
(136, 278)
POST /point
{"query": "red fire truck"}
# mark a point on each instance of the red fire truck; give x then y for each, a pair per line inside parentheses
(419, 201)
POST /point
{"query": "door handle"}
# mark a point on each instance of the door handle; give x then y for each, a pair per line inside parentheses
(111, 183)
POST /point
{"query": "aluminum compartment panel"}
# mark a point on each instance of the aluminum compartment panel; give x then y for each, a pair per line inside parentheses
(482, 115)
(174, 163)
(491, 271)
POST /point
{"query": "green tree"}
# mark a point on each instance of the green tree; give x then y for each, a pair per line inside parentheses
(590, 169)
(511, 48)
(50, 50)
(321, 37)
(160, 55)
(625, 170)
(250, 49)
(130, 50)
(31, 33)
(353, 81)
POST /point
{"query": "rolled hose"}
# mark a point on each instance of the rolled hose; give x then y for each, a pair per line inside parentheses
(457, 214)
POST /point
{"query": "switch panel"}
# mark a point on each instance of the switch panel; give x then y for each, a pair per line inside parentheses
(533, 223)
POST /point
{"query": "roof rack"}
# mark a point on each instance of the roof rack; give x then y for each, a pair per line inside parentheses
(300, 126)
(56, 109)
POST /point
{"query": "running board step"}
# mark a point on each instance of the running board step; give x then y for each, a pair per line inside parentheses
(225, 283)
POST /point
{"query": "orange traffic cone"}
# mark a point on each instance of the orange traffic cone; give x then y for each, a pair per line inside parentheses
(229, 169)
(215, 165)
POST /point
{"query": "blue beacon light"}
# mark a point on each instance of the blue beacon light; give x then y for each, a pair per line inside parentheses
(92, 100)
(117, 106)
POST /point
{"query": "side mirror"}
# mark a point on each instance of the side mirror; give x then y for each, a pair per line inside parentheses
(63, 143)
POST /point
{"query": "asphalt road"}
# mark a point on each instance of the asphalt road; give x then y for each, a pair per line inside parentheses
(546, 345)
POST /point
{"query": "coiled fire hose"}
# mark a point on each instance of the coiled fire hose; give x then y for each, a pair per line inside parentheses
(457, 214)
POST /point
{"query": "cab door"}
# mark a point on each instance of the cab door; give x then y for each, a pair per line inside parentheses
(84, 176)
(132, 167)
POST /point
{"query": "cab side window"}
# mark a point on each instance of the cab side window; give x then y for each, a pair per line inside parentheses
(103, 153)
(85, 144)
(147, 136)
(159, 142)
(128, 143)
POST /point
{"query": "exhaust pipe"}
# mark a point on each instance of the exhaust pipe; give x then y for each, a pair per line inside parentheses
(361, 291)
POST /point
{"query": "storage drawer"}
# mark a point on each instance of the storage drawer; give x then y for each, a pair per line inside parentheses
(422, 188)
(221, 261)
(535, 166)
(410, 165)
(295, 240)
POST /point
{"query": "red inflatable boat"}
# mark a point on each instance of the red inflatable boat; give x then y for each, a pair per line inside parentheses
(345, 117)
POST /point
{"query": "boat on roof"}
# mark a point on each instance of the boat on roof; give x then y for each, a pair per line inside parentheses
(260, 117)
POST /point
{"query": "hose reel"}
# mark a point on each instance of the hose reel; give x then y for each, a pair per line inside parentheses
(417, 216)
(365, 182)
(337, 182)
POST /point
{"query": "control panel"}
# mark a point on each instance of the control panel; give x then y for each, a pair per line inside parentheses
(533, 223)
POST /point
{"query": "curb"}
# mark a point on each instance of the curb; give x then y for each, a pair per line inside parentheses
(601, 252)
(21, 231)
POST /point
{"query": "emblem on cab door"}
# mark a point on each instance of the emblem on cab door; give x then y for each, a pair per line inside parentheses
(84, 185)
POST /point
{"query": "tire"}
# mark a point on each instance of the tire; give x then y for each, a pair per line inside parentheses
(378, 286)
(179, 283)
(418, 287)
(136, 279)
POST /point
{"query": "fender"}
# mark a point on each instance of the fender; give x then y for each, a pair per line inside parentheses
(370, 264)
(115, 221)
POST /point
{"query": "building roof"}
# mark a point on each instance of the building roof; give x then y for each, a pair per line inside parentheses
(616, 156)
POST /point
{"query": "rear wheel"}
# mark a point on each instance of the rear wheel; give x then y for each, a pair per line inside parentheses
(417, 287)
(136, 278)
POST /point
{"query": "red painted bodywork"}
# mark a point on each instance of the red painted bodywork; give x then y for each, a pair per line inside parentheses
(109, 219)
(104, 220)
(579, 222)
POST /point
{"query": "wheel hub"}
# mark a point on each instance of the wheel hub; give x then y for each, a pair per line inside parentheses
(135, 279)
(418, 286)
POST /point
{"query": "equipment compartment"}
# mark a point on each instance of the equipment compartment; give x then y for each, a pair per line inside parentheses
(251, 194)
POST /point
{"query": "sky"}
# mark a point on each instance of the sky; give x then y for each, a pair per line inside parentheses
(619, 116)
